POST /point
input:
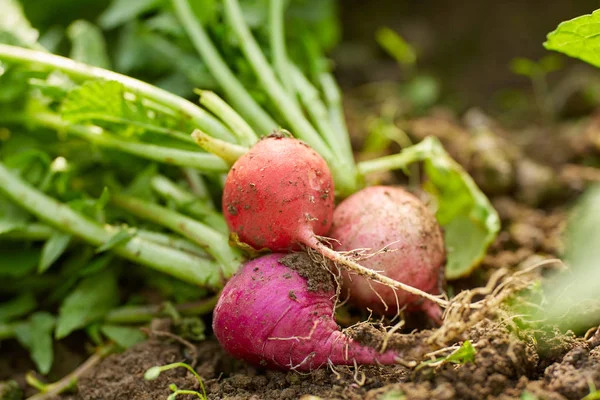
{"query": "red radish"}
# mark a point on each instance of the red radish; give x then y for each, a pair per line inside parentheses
(390, 218)
(279, 196)
(269, 314)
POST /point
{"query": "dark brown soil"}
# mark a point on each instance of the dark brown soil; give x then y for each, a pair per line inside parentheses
(505, 366)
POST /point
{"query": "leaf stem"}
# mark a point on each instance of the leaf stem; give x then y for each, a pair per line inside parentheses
(182, 265)
(57, 388)
(214, 242)
(32, 232)
(220, 108)
(333, 97)
(188, 203)
(147, 127)
(335, 137)
(277, 38)
(235, 91)
(400, 160)
(83, 71)
(99, 137)
(146, 313)
(229, 152)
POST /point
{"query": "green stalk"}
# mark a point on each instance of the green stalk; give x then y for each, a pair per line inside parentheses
(188, 203)
(176, 263)
(41, 232)
(184, 137)
(272, 87)
(197, 185)
(400, 160)
(146, 313)
(83, 71)
(277, 38)
(320, 115)
(336, 113)
(238, 125)
(35, 232)
(96, 135)
(228, 152)
(214, 242)
(235, 91)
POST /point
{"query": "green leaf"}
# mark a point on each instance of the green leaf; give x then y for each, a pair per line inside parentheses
(17, 307)
(152, 373)
(121, 11)
(93, 297)
(470, 222)
(464, 354)
(53, 249)
(396, 46)
(99, 100)
(572, 297)
(578, 38)
(528, 396)
(18, 262)
(36, 336)
(88, 45)
(15, 29)
(122, 335)
(121, 237)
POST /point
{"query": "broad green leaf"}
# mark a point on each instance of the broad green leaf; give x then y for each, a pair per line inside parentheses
(121, 11)
(15, 29)
(88, 45)
(101, 100)
(572, 297)
(122, 335)
(93, 297)
(120, 237)
(36, 335)
(470, 222)
(396, 46)
(53, 249)
(17, 307)
(578, 37)
(18, 261)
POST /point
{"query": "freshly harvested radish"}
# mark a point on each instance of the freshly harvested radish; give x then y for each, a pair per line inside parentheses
(277, 312)
(404, 242)
(280, 196)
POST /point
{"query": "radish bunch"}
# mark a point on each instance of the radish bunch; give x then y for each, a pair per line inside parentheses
(280, 196)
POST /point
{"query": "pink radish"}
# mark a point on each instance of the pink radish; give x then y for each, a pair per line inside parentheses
(392, 219)
(279, 196)
(271, 315)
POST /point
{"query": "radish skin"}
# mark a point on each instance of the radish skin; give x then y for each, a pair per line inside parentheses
(268, 316)
(391, 218)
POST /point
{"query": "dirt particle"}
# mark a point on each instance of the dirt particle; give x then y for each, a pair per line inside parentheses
(317, 275)
(292, 295)
(232, 209)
